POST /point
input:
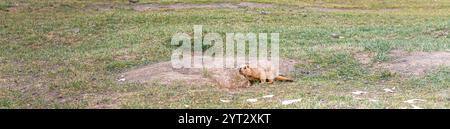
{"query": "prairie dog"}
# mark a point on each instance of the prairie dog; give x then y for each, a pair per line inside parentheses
(264, 72)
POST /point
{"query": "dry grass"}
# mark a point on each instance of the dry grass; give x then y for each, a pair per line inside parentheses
(69, 54)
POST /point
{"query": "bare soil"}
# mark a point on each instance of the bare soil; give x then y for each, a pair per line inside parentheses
(415, 63)
(149, 7)
(322, 9)
(164, 73)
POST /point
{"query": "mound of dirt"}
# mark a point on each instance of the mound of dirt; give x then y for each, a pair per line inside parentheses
(149, 7)
(164, 73)
(415, 63)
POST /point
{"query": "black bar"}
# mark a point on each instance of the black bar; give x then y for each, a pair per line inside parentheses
(274, 118)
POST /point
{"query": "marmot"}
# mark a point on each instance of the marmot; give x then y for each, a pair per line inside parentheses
(262, 73)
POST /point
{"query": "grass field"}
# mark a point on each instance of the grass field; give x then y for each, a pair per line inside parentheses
(69, 53)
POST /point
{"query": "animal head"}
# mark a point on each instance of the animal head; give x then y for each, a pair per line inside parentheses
(245, 70)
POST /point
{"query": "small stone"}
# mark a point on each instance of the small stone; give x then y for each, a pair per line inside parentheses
(75, 30)
(411, 101)
(334, 35)
(388, 90)
(287, 102)
(225, 100)
(252, 100)
(264, 12)
(366, 82)
(318, 66)
(416, 107)
(359, 92)
(268, 96)
(373, 100)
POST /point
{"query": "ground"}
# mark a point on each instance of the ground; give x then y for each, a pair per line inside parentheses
(349, 54)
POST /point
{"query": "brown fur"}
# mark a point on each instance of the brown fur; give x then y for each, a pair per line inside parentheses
(262, 74)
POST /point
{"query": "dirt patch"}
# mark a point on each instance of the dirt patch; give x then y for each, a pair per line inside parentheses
(164, 73)
(107, 7)
(415, 63)
(102, 7)
(12, 7)
(438, 33)
(321, 9)
(254, 5)
(4, 83)
(150, 7)
(364, 58)
(176, 6)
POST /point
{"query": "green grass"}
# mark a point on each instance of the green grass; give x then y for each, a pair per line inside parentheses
(63, 54)
(4, 6)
